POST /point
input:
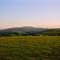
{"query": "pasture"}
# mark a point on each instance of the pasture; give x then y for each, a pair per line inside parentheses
(30, 48)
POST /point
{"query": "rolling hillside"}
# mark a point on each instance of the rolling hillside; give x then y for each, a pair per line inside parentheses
(51, 32)
(21, 31)
(24, 31)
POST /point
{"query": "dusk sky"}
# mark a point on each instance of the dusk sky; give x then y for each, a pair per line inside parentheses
(36, 13)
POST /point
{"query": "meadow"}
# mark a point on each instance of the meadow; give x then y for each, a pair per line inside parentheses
(30, 48)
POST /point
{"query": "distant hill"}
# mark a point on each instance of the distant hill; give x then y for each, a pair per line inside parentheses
(26, 31)
(52, 32)
(21, 31)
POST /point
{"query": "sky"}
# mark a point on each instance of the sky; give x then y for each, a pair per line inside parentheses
(36, 13)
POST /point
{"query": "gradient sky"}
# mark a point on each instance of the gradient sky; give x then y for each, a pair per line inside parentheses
(37, 13)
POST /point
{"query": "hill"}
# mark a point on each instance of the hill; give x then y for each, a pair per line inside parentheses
(51, 32)
(21, 31)
(27, 31)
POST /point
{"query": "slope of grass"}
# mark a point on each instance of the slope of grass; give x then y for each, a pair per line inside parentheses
(30, 48)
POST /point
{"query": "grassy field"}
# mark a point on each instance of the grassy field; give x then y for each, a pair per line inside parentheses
(30, 48)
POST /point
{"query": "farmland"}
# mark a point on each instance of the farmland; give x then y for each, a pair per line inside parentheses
(30, 48)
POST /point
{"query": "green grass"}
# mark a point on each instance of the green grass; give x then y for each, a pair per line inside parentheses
(30, 48)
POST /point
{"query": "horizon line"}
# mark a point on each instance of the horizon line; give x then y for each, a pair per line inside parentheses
(30, 26)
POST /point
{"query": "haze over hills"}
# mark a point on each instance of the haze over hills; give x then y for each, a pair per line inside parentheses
(25, 28)
(28, 30)
(21, 30)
